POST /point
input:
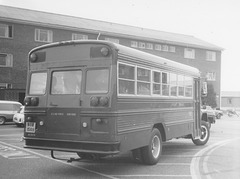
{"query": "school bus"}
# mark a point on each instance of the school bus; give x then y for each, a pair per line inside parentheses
(97, 98)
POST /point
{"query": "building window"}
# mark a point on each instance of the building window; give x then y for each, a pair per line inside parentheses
(6, 60)
(210, 56)
(42, 35)
(112, 40)
(141, 45)
(158, 47)
(165, 48)
(172, 49)
(134, 44)
(6, 31)
(189, 53)
(79, 37)
(211, 76)
(149, 46)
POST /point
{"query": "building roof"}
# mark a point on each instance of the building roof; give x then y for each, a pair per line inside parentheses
(19, 15)
(230, 93)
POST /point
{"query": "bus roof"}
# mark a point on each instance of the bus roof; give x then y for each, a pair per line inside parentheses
(134, 54)
(141, 57)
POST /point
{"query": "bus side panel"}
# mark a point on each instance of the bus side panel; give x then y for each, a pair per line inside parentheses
(138, 116)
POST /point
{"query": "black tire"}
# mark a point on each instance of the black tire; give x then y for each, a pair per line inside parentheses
(152, 152)
(2, 120)
(205, 134)
(218, 116)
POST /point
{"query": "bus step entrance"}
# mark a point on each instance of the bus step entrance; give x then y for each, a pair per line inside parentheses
(68, 160)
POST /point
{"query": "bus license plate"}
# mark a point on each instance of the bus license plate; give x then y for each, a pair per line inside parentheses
(30, 127)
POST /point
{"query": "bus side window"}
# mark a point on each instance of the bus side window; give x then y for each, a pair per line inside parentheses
(165, 84)
(126, 81)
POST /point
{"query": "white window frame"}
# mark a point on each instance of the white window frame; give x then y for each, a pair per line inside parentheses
(112, 40)
(76, 36)
(211, 76)
(189, 53)
(172, 49)
(210, 56)
(134, 44)
(149, 46)
(138, 81)
(157, 83)
(141, 45)
(48, 33)
(158, 47)
(8, 60)
(165, 48)
(7, 30)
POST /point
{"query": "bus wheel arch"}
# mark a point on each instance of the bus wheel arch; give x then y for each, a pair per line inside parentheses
(205, 134)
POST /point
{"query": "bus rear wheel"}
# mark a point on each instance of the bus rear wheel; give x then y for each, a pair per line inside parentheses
(152, 152)
(205, 134)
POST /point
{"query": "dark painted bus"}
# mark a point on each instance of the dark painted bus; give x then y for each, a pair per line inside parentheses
(97, 98)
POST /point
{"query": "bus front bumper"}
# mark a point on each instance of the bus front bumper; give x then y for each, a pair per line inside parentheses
(107, 148)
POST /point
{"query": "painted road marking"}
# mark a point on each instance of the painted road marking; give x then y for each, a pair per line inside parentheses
(194, 167)
(13, 153)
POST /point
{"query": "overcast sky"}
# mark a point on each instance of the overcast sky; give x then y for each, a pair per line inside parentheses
(214, 21)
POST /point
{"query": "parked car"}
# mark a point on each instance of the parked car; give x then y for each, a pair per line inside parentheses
(218, 113)
(7, 110)
(211, 115)
(18, 118)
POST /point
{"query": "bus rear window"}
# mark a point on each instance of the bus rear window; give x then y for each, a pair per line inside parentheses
(66, 82)
(97, 81)
(38, 83)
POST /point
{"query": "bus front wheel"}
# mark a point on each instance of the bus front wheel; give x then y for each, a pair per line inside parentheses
(152, 152)
(205, 134)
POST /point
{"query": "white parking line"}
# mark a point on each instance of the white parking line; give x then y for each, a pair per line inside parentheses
(145, 176)
(63, 162)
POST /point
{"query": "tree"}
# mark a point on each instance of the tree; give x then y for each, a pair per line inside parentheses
(210, 99)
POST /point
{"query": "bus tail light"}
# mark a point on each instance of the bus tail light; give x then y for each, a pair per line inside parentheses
(27, 101)
(34, 101)
(94, 101)
(31, 101)
(102, 101)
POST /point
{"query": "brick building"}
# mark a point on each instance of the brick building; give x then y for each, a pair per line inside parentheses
(23, 29)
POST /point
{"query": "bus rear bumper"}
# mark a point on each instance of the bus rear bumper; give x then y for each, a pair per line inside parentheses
(107, 148)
